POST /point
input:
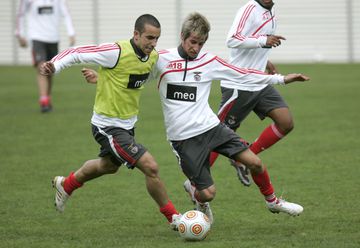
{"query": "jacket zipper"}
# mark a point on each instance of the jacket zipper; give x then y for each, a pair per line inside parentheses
(186, 62)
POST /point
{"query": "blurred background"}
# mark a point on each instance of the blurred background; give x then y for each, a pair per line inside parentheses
(316, 31)
(317, 165)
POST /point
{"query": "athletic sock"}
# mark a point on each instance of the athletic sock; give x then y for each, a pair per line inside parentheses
(262, 180)
(44, 100)
(271, 198)
(267, 138)
(168, 211)
(70, 184)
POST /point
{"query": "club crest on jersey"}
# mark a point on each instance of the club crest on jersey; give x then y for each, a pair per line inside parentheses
(197, 76)
(266, 15)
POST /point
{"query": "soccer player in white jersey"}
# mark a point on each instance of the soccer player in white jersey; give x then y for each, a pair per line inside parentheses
(43, 23)
(184, 76)
(250, 39)
(124, 67)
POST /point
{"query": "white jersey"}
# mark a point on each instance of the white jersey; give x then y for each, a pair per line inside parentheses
(184, 87)
(246, 40)
(43, 19)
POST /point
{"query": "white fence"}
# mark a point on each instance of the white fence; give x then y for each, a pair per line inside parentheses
(316, 30)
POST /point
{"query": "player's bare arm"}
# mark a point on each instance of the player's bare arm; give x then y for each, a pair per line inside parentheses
(271, 68)
(293, 77)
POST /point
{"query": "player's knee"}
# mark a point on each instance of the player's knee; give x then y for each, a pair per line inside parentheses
(208, 194)
(286, 126)
(151, 168)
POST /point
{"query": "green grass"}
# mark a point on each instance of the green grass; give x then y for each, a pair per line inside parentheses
(317, 165)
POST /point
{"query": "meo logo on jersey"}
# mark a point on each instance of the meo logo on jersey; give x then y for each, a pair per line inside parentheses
(181, 93)
(136, 81)
(45, 10)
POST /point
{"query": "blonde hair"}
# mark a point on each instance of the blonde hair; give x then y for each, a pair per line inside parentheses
(195, 23)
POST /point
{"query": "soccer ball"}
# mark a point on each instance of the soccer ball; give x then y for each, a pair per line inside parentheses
(194, 225)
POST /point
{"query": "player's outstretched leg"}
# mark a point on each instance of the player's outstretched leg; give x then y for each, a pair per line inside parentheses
(201, 206)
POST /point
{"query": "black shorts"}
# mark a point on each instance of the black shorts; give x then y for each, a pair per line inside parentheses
(236, 105)
(43, 51)
(193, 154)
(119, 144)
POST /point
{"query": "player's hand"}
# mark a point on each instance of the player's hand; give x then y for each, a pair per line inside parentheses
(90, 75)
(22, 42)
(293, 77)
(274, 40)
(47, 68)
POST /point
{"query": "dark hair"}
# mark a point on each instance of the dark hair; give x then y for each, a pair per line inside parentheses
(146, 19)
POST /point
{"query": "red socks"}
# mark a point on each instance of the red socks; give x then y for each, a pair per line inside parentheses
(70, 183)
(168, 210)
(267, 138)
(262, 180)
(44, 100)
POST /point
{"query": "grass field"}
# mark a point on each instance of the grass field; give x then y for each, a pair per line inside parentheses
(317, 165)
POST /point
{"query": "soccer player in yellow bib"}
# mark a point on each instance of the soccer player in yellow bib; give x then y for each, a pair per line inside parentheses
(124, 67)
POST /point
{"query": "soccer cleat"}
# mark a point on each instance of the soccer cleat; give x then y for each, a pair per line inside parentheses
(190, 190)
(175, 222)
(202, 207)
(60, 195)
(45, 108)
(205, 208)
(242, 172)
(45, 105)
(280, 205)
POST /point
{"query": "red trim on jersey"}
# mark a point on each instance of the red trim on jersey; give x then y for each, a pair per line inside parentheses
(188, 69)
(221, 61)
(244, 18)
(257, 30)
(181, 60)
(86, 49)
(163, 51)
(238, 69)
